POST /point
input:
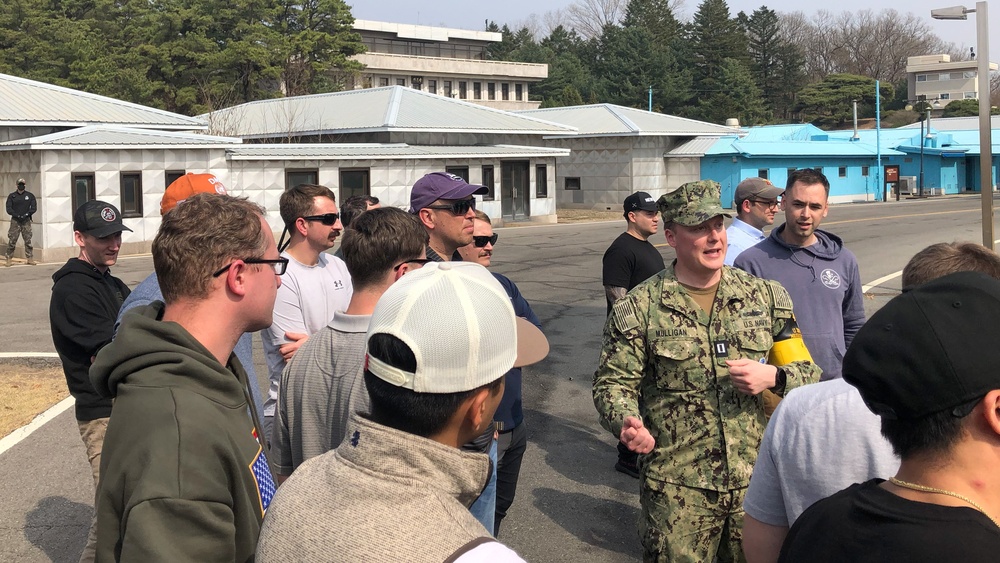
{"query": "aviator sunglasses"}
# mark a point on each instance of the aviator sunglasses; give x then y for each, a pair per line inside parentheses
(481, 241)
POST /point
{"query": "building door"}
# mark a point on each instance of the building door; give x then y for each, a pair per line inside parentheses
(514, 186)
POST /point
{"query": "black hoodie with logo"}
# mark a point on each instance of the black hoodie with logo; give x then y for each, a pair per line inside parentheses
(82, 315)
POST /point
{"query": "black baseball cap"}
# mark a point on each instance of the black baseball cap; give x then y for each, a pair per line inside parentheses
(930, 349)
(98, 219)
(639, 201)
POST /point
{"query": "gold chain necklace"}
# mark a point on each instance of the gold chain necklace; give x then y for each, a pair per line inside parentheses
(925, 489)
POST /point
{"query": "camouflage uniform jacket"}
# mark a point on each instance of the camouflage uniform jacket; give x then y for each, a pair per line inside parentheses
(664, 359)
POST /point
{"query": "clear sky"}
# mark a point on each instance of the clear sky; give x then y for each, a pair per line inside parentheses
(472, 14)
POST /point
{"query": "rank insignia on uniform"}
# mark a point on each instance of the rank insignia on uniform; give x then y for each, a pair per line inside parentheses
(721, 349)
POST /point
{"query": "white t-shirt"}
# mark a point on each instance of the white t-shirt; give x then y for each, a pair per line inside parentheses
(821, 439)
(306, 301)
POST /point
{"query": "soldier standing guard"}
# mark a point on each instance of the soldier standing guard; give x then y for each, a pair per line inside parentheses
(680, 377)
(20, 206)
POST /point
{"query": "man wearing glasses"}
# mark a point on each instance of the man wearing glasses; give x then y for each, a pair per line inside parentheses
(445, 206)
(756, 202)
(323, 384)
(316, 286)
(819, 273)
(185, 476)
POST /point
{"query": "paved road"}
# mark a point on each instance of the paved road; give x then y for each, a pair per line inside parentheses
(571, 504)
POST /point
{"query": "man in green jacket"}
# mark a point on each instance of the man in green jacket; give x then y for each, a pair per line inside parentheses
(184, 472)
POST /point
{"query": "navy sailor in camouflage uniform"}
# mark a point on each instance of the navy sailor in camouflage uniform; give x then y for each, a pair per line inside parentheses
(680, 378)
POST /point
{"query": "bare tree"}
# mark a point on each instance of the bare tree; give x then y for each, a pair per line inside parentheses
(588, 17)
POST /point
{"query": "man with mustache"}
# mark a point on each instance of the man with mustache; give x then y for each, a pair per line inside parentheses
(819, 273)
(315, 286)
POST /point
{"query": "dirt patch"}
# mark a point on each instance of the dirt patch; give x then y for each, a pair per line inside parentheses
(27, 389)
(587, 215)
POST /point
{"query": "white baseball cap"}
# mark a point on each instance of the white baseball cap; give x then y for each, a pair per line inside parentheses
(457, 320)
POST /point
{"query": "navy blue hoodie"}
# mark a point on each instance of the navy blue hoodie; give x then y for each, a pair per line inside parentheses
(825, 285)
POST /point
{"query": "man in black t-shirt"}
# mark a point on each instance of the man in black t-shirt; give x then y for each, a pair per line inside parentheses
(926, 364)
(629, 261)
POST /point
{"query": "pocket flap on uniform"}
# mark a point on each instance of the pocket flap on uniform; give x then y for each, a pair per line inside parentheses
(675, 348)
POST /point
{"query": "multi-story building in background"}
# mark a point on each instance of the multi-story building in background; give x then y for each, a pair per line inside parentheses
(936, 77)
(443, 61)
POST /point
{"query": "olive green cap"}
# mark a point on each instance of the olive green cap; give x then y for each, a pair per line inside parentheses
(692, 204)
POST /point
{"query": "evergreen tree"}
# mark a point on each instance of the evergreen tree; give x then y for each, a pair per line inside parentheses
(715, 36)
(656, 17)
(740, 98)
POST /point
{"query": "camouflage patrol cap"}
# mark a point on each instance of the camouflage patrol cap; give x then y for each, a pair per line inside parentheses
(692, 204)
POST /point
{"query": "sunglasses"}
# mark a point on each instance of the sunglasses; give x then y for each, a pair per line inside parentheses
(279, 265)
(482, 241)
(458, 207)
(328, 219)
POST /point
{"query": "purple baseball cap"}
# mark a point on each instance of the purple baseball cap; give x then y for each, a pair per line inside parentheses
(441, 185)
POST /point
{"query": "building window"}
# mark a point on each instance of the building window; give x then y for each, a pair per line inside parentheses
(384, 81)
(842, 172)
(460, 171)
(295, 177)
(921, 78)
(477, 90)
(83, 189)
(354, 182)
(400, 82)
(571, 184)
(519, 92)
(171, 176)
(944, 96)
(969, 74)
(491, 89)
(417, 82)
(366, 82)
(432, 86)
(505, 91)
(864, 171)
(131, 194)
(541, 181)
(463, 91)
(489, 182)
(447, 88)
(969, 95)
(956, 76)
(944, 76)
(762, 173)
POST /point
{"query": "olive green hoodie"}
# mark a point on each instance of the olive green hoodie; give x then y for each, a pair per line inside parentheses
(183, 477)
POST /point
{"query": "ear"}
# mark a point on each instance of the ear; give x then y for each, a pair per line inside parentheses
(236, 278)
(991, 410)
(78, 238)
(746, 206)
(301, 226)
(477, 416)
(426, 218)
(671, 239)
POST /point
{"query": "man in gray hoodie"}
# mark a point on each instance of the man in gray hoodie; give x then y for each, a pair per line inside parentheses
(819, 273)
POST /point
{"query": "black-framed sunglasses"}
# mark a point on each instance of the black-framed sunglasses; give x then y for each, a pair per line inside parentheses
(420, 261)
(482, 241)
(279, 265)
(328, 219)
(458, 207)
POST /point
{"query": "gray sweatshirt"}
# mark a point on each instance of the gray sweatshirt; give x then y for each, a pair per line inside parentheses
(825, 285)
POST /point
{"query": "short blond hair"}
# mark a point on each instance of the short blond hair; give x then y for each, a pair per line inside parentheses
(945, 258)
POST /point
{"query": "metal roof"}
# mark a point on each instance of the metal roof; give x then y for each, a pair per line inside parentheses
(115, 137)
(426, 32)
(339, 151)
(27, 103)
(807, 148)
(602, 120)
(391, 108)
(790, 132)
(957, 123)
(695, 147)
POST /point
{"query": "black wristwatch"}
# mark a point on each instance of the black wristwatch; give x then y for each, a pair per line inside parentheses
(780, 379)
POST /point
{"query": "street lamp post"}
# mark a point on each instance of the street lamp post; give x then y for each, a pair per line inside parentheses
(985, 134)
